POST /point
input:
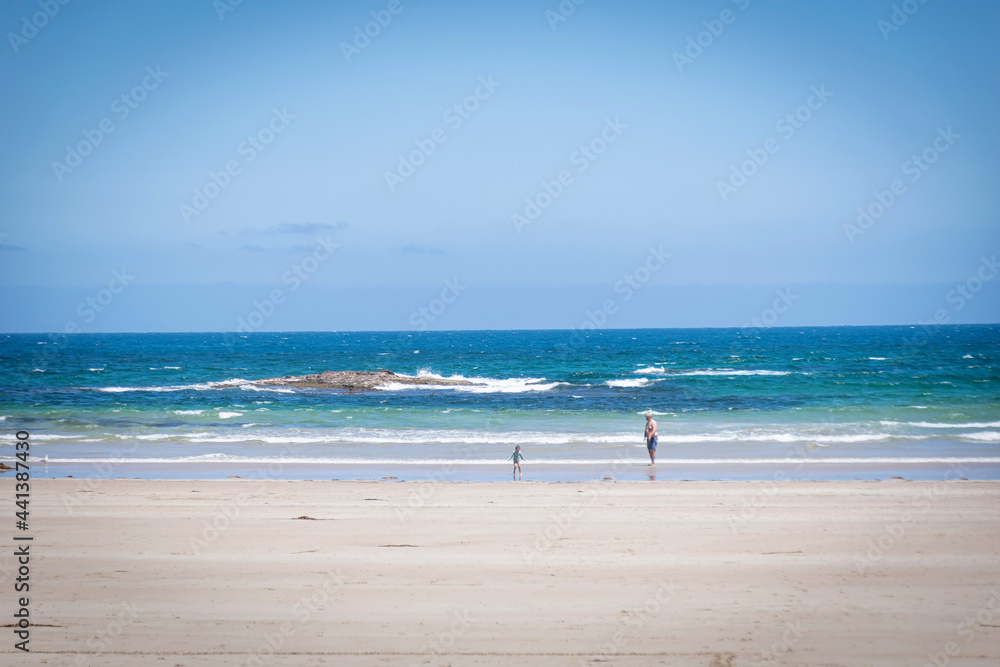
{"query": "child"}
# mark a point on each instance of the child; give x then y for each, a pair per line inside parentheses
(518, 457)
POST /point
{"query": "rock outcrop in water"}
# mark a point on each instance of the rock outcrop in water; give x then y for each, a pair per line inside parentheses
(353, 380)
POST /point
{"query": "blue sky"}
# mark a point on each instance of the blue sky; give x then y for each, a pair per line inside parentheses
(645, 125)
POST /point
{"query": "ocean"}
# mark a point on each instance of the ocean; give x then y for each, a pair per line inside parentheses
(801, 403)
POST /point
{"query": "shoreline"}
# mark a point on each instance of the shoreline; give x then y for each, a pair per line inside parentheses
(285, 572)
(735, 470)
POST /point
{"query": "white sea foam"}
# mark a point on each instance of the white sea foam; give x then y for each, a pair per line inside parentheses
(227, 415)
(36, 437)
(638, 382)
(146, 436)
(985, 436)
(458, 438)
(390, 437)
(412, 437)
(759, 436)
(943, 424)
(480, 385)
(231, 458)
(202, 386)
(187, 412)
(731, 371)
(968, 356)
(658, 370)
(276, 390)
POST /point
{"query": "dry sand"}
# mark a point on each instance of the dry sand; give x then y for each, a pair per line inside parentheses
(130, 572)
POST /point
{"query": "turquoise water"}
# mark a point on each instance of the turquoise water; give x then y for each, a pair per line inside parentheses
(847, 395)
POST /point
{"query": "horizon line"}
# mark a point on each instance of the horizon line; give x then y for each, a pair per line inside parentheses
(553, 329)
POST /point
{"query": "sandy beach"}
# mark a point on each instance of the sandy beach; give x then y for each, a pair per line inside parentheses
(719, 574)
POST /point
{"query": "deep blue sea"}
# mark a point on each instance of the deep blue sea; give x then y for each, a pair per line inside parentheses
(730, 403)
